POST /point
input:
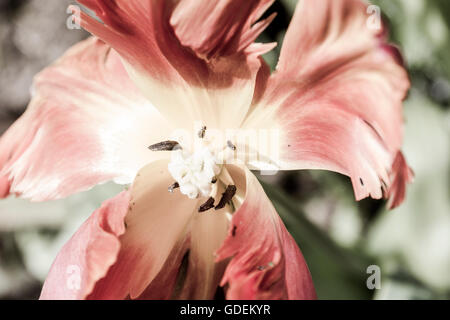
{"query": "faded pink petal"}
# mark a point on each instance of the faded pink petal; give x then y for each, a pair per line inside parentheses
(86, 124)
(219, 28)
(89, 253)
(265, 260)
(123, 246)
(336, 96)
(161, 233)
(161, 228)
(185, 88)
(157, 222)
(144, 261)
(5, 184)
(253, 256)
(191, 271)
(204, 273)
(164, 286)
(401, 174)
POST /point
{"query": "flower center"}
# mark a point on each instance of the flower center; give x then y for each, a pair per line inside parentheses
(195, 172)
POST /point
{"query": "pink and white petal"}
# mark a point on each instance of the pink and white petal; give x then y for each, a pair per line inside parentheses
(265, 260)
(208, 231)
(88, 255)
(190, 271)
(86, 124)
(157, 222)
(185, 88)
(336, 96)
(219, 28)
(139, 31)
(169, 281)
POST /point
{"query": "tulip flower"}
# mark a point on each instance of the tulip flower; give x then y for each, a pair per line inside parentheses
(195, 220)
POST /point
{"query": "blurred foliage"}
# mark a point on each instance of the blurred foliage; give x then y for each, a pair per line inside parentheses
(338, 237)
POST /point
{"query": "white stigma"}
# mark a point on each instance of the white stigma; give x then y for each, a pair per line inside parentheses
(195, 171)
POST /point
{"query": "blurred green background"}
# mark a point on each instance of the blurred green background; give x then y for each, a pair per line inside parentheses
(339, 237)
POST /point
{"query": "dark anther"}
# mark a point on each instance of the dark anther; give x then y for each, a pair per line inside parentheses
(233, 232)
(201, 133)
(214, 180)
(226, 196)
(207, 205)
(361, 181)
(173, 187)
(261, 268)
(231, 145)
(165, 146)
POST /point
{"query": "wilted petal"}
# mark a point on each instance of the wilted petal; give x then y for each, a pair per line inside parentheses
(184, 87)
(265, 260)
(336, 96)
(88, 255)
(86, 124)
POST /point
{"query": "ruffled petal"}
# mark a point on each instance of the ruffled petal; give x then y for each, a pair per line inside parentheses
(336, 96)
(219, 28)
(86, 124)
(134, 247)
(88, 255)
(185, 88)
(265, 260)
(157, 223)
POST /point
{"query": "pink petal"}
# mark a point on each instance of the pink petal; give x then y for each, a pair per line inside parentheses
(134, 247)
(337, 96)
(200, 275)
(208, 232)
(89, 253)
(144, 261)
(265, 260)
(86, 124)
(156, 225)
(166, 284)
(185, 88)
(4, 186)
(219, 28)
(401, 175)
